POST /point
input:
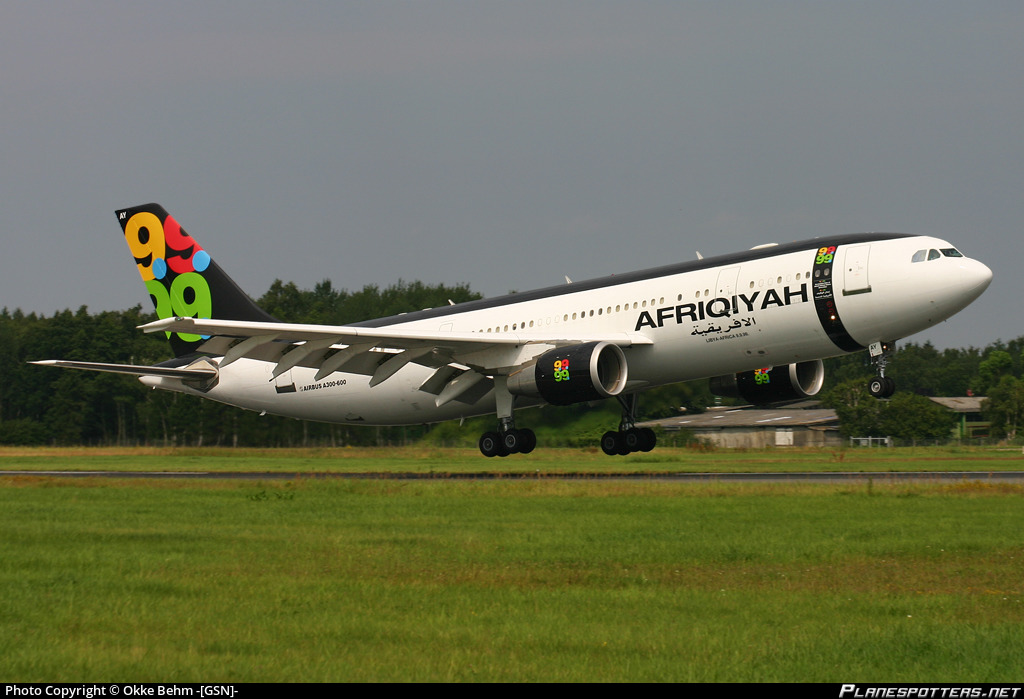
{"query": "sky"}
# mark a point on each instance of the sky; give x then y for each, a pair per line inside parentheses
(504, 145)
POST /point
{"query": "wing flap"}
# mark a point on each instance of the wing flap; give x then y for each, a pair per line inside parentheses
(356, 349)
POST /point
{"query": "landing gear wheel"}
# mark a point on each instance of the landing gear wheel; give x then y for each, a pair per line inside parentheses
(631, 440)
(628, 441)
(610, 442)
(510, 442)
(519, 441)
(648, 440)
(877, 387)
(490, 444)
(882, 387)
(527, 441)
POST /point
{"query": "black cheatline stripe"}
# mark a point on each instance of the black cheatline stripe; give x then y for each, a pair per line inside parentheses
(619, 279)
(825, 302)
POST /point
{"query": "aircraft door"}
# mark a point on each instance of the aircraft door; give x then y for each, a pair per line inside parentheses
(855, 271)
(284, 383)
(727, 281)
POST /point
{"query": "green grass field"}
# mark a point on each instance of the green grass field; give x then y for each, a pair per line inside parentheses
(441, 461)
(515, 580)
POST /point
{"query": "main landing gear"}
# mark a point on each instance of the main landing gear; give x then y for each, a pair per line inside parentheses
(507, 440)
(881, 386)
(629, 437)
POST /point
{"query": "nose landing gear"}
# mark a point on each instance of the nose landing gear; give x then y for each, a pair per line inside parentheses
(881, 386)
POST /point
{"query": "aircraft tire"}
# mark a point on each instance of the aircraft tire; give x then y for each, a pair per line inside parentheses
(511, 441)
(610, 443)
(490, 444)
(877, 387)
(631, 440)
(648, 439)
(528, 441)
(628, 441)
(519, 441)
(882, 387)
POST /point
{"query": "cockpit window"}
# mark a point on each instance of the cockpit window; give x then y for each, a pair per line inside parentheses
(922, 255)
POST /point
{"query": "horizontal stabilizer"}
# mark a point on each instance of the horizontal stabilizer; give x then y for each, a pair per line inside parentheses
(195, 372)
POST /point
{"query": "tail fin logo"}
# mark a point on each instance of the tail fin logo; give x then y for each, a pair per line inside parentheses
(171, 265)
(158, 247)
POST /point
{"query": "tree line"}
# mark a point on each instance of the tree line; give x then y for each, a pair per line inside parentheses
(921, 371)
(43, 406)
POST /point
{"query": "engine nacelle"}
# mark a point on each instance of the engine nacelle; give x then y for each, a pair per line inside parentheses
(773, 384)
(573, 374)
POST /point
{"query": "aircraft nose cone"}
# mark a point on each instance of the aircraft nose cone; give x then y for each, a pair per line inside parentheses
(975, 277)
(959, 286)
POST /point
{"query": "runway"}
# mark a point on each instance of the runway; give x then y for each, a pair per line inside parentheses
(678, 477)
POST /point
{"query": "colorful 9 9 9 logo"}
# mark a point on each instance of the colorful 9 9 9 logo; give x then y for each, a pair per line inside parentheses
(561, 370)
(170, 263)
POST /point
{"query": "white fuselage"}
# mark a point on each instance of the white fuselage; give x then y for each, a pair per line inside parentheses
(767, 307)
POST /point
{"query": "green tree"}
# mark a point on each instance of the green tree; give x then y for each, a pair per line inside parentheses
(859, 413)
(1004, 407)
(905, 416)
(919, 369)
(913, 418)
(325, 304)
(997, 364)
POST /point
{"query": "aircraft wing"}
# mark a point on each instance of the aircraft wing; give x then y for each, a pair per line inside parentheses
(377, 352)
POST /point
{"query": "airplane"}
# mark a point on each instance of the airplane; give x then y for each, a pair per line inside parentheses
(756, 323)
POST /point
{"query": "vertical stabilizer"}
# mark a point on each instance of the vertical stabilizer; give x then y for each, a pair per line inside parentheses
(181, 278)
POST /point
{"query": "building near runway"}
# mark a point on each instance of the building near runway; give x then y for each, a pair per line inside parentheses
(749, 428)
(971, 424)
(803, 424)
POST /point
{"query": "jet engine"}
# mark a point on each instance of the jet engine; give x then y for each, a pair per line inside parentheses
(573, 374)
(772, 384)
